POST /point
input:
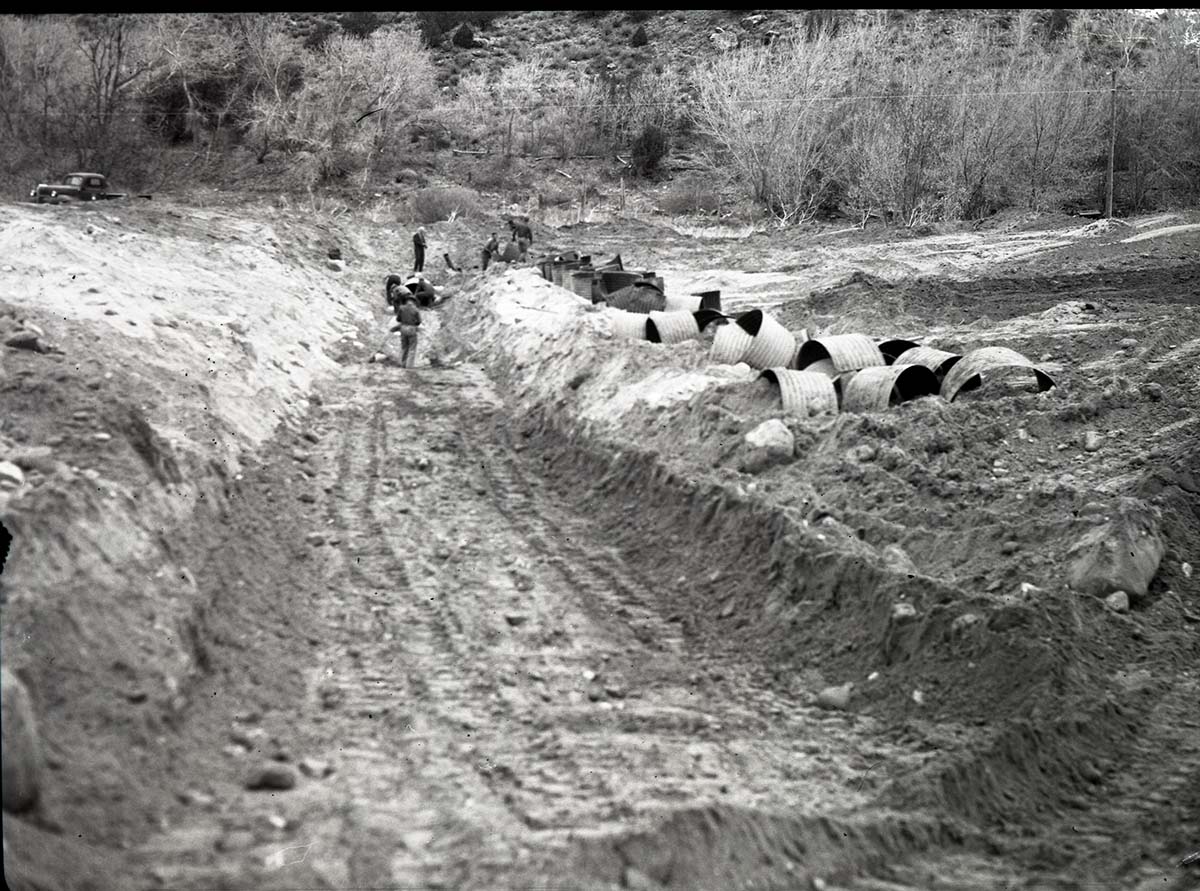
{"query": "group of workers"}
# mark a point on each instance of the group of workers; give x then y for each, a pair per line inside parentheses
(406, 296)
(515, 249)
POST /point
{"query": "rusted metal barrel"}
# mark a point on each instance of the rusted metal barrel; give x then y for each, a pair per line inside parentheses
(581, 282)
(656, 280)
(562, 277)
(616, 279)
(709, 299)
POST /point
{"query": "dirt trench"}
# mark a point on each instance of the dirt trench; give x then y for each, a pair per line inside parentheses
(506, 687)
(493, 686)
(443, 623)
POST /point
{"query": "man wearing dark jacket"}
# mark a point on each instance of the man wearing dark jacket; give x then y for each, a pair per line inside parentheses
(419, 249)
(389, 288)
(421, 289)
(490, 250)
(523, 236)
(408, 322)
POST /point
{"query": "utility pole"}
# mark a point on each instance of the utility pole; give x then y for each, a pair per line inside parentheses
(1112, 144)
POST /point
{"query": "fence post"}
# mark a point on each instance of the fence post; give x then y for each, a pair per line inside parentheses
(1112, 145)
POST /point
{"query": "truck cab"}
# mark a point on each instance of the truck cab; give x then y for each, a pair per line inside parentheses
(74, 187)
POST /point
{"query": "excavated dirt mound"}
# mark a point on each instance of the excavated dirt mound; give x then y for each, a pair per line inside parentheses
(804, 571)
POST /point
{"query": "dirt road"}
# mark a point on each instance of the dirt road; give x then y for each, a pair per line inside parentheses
(502, 704)
(492, 682)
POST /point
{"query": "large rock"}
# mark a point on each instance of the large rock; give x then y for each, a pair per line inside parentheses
(24, 339)
(1120, 555)
(897, 559)
(11, 475)
(271, 776)
(39, 458)
(21, 757)
(836, 698)
(771, 442)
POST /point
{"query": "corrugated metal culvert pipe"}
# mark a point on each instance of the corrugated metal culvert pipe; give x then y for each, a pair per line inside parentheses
(683, 303)
(730, 344)
(975, 367)
(893, 348)
(641, 296)
(773, 345)
(672, 327)
(804, 393)
(628, 325)
(938, 361)
(836, 354)
(879, 386)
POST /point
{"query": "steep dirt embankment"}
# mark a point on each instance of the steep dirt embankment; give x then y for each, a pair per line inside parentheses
(172, 343)
(920, 553)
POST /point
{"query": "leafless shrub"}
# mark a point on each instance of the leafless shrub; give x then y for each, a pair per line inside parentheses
(690, 196)
(432, 205)
(775, 118)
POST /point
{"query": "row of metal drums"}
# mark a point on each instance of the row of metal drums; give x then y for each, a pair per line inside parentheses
(592, 281)
(855, 373)
(851, 372)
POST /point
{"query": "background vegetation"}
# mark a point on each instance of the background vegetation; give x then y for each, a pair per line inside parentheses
(911, 116)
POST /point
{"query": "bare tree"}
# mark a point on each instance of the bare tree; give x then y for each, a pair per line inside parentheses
(115, 54)
(274, 70)
(39, 65)
(1057, 123)
(194, 49)
(774, 116)
(355, 95)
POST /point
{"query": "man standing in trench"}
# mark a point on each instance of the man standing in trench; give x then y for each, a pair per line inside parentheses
(408, 322)
(419, 249)
(490, 250)
(522, 235)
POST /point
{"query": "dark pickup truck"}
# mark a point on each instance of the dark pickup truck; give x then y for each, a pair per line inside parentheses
(74, 187)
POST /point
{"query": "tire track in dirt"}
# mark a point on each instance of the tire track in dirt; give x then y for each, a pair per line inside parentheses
(615, 597)
(493, 686)
(1156, 787)
(411, 655)
(582, 762)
